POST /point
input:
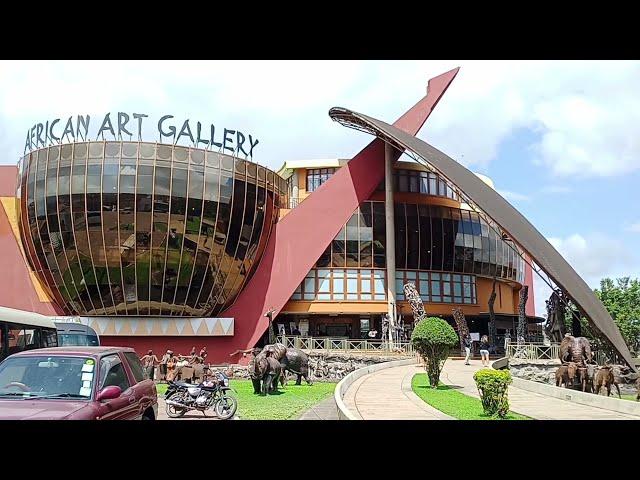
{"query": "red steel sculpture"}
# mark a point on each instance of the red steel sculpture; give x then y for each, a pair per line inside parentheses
(300, 237)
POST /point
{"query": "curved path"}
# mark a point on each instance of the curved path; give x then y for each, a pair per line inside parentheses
(387, 395)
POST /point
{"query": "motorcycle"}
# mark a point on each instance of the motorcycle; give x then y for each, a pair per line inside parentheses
(181, 398)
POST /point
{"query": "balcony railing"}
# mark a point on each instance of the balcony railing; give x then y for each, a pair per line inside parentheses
(541, 351)
(344, 344)
(295, 201)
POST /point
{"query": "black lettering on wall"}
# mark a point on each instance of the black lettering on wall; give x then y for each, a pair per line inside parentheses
(240, 141)
(252, 145)
(51, 135)
(198, 138)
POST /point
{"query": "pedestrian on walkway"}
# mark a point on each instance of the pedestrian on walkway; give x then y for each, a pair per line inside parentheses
(484, 350)
(467, 348)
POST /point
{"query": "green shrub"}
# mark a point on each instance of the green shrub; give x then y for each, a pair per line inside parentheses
(433, 337)
(493, 388)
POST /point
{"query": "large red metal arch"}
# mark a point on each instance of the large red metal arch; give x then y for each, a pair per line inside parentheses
(300, 237)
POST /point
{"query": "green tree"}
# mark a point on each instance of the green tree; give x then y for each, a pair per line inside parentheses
(433, 337)
(622, 300)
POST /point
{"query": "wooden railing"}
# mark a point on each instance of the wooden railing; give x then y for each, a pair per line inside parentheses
(344, 344)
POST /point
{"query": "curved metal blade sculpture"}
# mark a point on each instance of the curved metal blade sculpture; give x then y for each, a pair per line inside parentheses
(512, 222)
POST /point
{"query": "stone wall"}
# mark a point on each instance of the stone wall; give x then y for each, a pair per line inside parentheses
(325, 367)
(544, 371)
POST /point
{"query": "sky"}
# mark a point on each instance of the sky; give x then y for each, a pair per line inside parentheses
(558, 138)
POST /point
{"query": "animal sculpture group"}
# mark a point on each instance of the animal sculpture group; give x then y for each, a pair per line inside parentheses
(579, 368)
(269, 366)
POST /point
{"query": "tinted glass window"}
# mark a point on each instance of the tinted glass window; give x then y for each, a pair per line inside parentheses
(112, 372)
(136, 366)
(75, 339)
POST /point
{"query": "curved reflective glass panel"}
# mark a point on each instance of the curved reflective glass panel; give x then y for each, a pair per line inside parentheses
(132, 228)
(428, 238)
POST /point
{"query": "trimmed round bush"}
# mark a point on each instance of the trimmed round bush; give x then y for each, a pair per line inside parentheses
(433, 337)
(493, 388)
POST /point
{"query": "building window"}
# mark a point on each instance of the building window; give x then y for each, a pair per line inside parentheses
(317, 176)
(436, 287)
(339, 284)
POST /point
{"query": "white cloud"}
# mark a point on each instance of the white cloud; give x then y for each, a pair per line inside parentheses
(514, 196)
(584, 113)
(634, 227)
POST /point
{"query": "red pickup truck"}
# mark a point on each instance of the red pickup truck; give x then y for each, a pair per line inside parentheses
(76, 383)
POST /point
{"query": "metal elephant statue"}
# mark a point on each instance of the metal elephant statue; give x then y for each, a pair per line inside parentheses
(575, 349)
(265, 372)
(292, 360)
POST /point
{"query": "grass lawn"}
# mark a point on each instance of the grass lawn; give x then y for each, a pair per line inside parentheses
(453, 403)
(288, 404)
(627, 397)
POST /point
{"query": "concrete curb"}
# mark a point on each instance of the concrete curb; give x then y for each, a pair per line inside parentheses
(343, 412)
(576, 396)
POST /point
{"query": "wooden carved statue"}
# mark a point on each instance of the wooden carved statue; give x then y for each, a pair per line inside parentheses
(554, 327)
(522, 316)
(492, 313)
(461, 323)
(417, 307)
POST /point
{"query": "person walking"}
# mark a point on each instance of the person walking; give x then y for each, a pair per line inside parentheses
(467, 348)
(484, 350)
(163, 365)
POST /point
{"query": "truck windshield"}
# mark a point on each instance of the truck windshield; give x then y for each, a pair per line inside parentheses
(47, 377)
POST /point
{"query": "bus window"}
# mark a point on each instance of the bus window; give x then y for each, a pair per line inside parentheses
(15, 337)
(31, 338)
(49, 337)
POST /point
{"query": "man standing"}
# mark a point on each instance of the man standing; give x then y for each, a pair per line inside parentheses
(203, 354)
(467, 348)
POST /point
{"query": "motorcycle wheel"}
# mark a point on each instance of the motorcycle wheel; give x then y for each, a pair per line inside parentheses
(226, 407)
(175, 412)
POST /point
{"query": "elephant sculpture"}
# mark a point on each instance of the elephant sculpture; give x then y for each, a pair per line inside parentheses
(265, 372)
(291, 360)
(575, 349)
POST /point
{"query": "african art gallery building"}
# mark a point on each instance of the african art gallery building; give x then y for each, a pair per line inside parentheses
(160, 245)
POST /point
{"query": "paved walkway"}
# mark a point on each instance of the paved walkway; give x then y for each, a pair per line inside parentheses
(387, 394)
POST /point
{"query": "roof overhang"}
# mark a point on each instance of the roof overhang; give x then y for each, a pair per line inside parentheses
(536, 246)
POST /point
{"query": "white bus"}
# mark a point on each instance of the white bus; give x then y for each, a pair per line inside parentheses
(20, 330)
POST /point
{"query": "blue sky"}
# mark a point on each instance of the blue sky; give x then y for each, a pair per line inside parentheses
(559, 138)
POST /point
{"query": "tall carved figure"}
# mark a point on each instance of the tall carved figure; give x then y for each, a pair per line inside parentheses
(417, 307)
(492, 314)
(461, 323)
(555, 327)
(522, 316)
